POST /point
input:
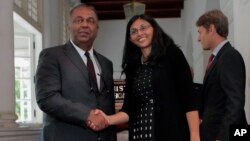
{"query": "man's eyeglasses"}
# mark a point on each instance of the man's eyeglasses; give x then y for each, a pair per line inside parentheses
(142, 28)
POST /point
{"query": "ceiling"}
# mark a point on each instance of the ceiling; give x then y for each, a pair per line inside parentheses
(113, 9)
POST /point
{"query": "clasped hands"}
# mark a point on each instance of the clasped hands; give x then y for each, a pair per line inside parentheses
(97, 120)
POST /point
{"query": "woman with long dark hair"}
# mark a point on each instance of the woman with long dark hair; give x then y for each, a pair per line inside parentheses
(159, 100)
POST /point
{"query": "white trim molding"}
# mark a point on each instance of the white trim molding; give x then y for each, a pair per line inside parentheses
(20, 134)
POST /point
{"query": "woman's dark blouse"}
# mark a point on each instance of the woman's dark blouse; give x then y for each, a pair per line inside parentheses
(142, 89)
(173, 97)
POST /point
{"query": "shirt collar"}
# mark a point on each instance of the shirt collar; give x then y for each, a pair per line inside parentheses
(81, 51)
(218, 48)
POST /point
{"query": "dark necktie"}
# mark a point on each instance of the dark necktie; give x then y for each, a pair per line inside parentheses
(91, 71)
(210, 60)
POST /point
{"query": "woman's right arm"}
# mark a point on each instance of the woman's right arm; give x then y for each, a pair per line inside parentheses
(115, 119)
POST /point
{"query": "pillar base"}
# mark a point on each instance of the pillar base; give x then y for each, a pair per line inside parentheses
(8, 120)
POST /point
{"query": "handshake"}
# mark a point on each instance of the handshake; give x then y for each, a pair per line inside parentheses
(97, 120)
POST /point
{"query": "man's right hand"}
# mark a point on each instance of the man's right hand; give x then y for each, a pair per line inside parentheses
(97, 120)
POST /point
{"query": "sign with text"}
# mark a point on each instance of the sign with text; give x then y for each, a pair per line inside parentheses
(119, 86)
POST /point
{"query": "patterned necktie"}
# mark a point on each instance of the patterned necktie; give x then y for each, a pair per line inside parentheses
(91, 71)
(210, 60)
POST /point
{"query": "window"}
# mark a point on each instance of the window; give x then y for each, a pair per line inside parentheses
(27, 46)
(24, 72)
(33, 9)
(18, 3)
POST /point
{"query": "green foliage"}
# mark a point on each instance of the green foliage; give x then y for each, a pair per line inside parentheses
(17, 96)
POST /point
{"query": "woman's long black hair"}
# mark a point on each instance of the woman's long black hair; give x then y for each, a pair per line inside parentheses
(160, 44)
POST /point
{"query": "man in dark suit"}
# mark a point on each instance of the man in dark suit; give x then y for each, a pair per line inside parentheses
(223, 92)
(65, 91)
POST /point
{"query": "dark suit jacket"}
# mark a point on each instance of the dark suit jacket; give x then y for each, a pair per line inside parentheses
(223, 95)
(63, 94)
(173, 97)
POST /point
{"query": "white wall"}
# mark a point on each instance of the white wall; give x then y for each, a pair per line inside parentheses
(242, 42)
(110, 41)
(195, 55)
(193, 50)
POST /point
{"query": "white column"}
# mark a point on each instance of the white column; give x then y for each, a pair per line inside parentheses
(9, 129)
(51, 30)
(7, 77)
(239, 34)
(242, 42)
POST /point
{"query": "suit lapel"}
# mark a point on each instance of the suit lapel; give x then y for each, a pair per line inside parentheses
(102, 69)
(217, 57)
(76, 59)
(210, 68)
